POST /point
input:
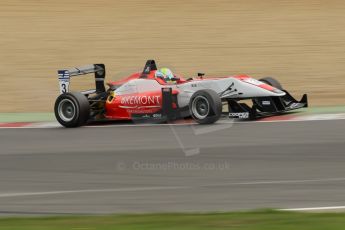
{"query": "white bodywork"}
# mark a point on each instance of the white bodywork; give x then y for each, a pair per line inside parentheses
(229, 87)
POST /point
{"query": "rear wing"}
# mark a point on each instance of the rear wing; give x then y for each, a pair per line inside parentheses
(98, 69)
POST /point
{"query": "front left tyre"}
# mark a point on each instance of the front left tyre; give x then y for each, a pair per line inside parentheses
(272, 82)
(72, 109)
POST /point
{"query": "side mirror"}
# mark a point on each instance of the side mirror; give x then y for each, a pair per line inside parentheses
(201, 74)
(175, 79)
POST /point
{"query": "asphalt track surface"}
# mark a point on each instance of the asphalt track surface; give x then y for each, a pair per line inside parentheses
(121, 169)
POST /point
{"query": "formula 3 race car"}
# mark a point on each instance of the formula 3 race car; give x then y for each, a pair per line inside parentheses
(144, 97)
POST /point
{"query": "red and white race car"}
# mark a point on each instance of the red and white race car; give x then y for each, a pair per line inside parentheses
(144, 97)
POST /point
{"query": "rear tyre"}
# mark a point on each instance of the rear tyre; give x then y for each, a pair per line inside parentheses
(205, 106)
(72, 109)
(272, 82)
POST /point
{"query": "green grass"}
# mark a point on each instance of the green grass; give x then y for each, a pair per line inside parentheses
(26, 117)
(258, 220)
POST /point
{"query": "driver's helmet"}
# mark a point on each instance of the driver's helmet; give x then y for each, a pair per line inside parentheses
(165, 73)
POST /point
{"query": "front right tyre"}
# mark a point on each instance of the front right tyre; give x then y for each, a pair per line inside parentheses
(205, 106)
(72, 109)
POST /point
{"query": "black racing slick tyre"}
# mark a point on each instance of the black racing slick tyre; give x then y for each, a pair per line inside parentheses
(72, 109)
(272, 82)
(205, 106)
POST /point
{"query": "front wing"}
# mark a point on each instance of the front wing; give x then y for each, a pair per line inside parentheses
(265, 106)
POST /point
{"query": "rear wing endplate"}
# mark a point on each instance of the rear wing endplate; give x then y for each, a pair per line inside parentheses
(65, 76)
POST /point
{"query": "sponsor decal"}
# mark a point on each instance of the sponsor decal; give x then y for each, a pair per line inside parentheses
(140, 100)
(149, 116)
(157, 115)
(266, 103)
(278, 91)
(260, 84)
(243, 115)
(140, 104)
(294, 105)
(140, 110)
(253, 81)
(63, 74)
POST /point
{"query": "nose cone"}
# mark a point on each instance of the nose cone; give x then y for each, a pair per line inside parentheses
(272, 90)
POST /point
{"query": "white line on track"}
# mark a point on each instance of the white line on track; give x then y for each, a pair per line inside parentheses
(314, 208)
(282, 182)
(315, 117)
(155, 188)
(20, 194)
(218, 123)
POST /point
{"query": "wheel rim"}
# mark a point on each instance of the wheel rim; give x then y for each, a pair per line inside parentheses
(66, 110)
(200, 107)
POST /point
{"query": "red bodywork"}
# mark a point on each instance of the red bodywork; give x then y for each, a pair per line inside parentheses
(122, 107)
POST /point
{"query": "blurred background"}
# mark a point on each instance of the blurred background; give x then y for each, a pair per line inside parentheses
(302, 43)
